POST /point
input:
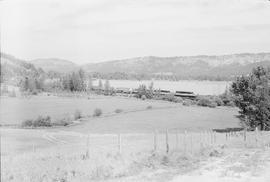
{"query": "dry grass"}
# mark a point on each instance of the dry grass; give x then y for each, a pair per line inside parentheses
(61, 156)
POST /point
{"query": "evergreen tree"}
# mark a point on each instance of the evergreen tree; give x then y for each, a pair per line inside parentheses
(252, 97)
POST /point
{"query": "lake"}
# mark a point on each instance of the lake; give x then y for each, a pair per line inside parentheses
(198, 87)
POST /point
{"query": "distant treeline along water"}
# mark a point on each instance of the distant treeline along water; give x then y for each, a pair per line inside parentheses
(198, 87)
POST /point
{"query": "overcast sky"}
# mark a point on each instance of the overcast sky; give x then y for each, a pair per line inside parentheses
(98, 30)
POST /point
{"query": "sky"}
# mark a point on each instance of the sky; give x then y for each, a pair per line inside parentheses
(87, 31)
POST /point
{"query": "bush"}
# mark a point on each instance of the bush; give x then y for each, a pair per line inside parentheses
(77, 114)
(144, 92)
(218, 101)
(149, 107)
(230, 104)
(34, 92)
(39, 122)
(63, 121)
(206, 102)
(118, 110)
(170, 97)
(97, 112)
(143, 97)
(188, 102)
(27, 123)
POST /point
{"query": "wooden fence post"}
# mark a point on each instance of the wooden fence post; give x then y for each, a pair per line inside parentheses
(191, 143)
(185, 141)
(167, 142)
(177, 140)
(155, 141)
(87, 147)
(245, 136)
(200, 140)
(119, 144)
(256, 136)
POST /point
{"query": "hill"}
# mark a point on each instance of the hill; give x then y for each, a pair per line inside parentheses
(14, 69)
(190, 67)
(55, 64)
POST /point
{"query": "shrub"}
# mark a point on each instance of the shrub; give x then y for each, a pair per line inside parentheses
(97, 112)
(149, 107)
(144, 92)
(63, 121)
(27, 123)
(231, 104)
(218, 101)
(206, 102)
(188, 102)
(42, 121)
(77, 114)
(143, 97)
(39, 122)
(118, 110)
(169, 97)
(34, 92)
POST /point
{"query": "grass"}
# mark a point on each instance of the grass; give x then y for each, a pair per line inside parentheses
(55, 161)
(57, 107)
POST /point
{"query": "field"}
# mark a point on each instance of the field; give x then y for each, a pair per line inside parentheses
(128, 146)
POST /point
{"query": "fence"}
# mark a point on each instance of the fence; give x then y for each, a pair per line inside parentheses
(173, 140)
(187, 142)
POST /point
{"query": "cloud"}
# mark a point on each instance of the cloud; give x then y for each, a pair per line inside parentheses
(106, 27)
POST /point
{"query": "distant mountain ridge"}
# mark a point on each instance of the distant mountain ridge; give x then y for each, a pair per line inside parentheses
(185, 67)
(202, 67)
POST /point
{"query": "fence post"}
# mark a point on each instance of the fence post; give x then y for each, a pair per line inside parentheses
(256, 136)
(177, 140)
(119, 143)
(185, 141)
(167, 142)
(191, 143)
(87, 147)
(155, 141)
(200, 140)
(245, 136)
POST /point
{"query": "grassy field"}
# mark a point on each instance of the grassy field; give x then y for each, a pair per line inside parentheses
(117, 146)
(135, 117)
(45, 155)
(16, 110)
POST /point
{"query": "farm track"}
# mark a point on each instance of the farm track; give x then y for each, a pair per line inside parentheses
(50, 137)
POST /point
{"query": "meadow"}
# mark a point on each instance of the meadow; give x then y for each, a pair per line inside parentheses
(128, 145)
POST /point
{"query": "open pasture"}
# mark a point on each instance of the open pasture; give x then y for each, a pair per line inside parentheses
(16, 110)
(74, 156)
(134, 115)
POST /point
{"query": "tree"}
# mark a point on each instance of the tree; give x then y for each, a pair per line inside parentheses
(252, 97)
(90, 83)
(151, 86)
(107, 87)
(144, 92)
(100, 85)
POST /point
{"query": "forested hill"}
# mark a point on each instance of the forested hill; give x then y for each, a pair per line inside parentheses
(224, 67)
(194, 67)
(14, 69)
